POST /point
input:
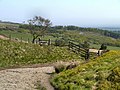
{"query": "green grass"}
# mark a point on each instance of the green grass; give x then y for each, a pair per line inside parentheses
(17, 54)
(102, 73)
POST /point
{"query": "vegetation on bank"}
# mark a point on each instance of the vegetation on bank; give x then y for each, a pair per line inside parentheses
(102, 73)
(17, 53)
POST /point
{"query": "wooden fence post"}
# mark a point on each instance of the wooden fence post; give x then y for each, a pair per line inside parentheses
(49, 42)
(21, 39)
(39, 40)
(87, 56)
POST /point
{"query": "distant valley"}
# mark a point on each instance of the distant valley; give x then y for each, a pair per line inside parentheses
(110, 28)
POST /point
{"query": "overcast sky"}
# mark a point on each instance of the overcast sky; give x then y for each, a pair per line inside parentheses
(87, 13)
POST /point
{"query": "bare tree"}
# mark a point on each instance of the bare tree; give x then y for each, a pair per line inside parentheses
(38, 26)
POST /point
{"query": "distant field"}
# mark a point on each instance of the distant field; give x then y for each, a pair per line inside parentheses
(108, 47)
(15, 34)
(8, 24)
(22, 35)
(27, 36)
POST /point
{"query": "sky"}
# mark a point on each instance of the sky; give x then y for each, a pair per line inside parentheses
(84, 13)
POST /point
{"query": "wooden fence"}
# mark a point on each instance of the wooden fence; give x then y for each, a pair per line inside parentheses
(37, 41)
(83, 52)
(44, 42)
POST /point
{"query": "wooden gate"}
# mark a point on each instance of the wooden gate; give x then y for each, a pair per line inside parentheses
(84, 52)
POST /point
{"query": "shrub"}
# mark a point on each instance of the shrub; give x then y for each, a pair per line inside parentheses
(60, 68)
(103, 47)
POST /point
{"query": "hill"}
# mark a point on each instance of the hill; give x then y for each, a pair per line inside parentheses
(8, 25)
(102, 73)
(94, 36)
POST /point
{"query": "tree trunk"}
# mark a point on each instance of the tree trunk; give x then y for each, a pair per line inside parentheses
(33, 41)
(34, 37)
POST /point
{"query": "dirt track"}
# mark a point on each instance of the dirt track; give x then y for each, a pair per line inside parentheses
(25, 78)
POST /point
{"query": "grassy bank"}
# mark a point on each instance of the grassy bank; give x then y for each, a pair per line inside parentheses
(16, 53)
(101, 74)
